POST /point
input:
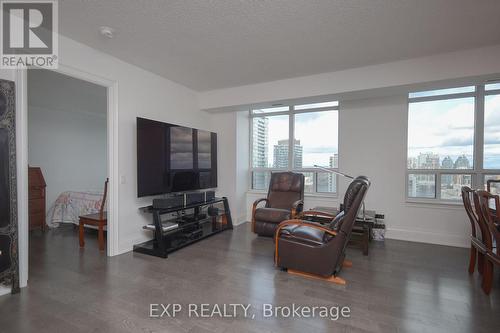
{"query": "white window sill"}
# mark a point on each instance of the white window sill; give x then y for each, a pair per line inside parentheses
(434, 204)
(307, 195)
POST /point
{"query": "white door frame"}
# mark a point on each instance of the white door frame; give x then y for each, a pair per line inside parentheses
(22, 159)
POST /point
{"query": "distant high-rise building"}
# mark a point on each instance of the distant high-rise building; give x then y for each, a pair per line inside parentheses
(447, 163)
(326, 181)
(412, 162)
(332, 178)
(334, 161)
(428, 161)
(462, 162)
(259, 153)
(280, 154)
(260, 137)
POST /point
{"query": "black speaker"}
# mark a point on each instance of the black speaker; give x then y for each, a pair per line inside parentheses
(195, 197)
(209, 196)
(171, 202)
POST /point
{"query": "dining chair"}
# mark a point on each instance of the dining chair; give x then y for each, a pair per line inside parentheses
(489, 182)
(487, 215)
(98, 220)
(477, 247)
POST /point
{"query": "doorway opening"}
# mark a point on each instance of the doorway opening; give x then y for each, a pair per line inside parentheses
(68, 165)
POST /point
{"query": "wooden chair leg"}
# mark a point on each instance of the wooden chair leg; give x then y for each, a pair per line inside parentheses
(101, 237)
(81, 234)
(480, 262)
(472, 260)
(487, 276)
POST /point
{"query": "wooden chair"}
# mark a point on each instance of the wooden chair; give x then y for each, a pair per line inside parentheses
(477, 247)
(487, 217)
(98, 219)
(491, 181)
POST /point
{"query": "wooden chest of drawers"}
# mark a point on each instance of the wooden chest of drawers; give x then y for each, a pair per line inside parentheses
(37, 201)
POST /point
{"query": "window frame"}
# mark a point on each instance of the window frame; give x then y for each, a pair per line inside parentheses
(291, 140)
(478, 172)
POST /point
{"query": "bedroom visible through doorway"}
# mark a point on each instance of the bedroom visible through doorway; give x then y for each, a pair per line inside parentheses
(68, 166)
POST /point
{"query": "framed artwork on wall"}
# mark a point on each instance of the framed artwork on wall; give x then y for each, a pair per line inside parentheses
(9, 259)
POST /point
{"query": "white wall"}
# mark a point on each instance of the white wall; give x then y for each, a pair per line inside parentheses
(140, 94)
(447, 66)
(233, 160)
(70, 146)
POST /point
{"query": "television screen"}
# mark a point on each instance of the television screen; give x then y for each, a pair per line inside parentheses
(173, 158)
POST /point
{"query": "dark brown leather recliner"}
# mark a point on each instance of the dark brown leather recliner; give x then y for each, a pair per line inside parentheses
(315, 248)
(285, 199)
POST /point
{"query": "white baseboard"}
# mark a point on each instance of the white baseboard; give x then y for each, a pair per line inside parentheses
(4, 290)
(428, 237)
(240, 220)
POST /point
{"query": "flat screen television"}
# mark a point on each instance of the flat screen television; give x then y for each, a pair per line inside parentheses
(173, 158)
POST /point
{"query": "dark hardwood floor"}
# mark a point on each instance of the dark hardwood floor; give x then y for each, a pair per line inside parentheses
(399, 287)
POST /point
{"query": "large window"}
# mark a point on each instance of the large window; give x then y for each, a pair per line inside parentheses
(296, 138)
(453, 140)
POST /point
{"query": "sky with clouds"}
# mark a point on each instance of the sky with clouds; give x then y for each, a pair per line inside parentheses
(317, 132)
(447, 128)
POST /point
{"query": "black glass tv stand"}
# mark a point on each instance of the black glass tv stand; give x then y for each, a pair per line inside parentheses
(193, 223)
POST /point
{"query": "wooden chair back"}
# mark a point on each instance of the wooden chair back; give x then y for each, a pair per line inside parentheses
(467, 198)
(491, 181)
(103, 202)
(485, 214)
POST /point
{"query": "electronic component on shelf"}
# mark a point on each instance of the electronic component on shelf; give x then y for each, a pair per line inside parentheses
(165, 226)
(209, 196)
(170, 202)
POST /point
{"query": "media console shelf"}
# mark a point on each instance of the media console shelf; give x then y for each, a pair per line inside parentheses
(193, 222)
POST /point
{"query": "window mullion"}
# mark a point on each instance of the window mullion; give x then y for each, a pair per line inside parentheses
(479, 136)
(291, 138)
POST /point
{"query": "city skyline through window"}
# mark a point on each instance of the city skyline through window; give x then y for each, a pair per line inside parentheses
(441, 134)
(315, 142)
(445, 143)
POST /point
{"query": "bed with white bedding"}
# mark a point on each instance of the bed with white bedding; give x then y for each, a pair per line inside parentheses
(70, 205)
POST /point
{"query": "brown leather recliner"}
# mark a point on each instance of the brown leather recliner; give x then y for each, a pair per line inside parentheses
(285, 199)
(315, 248)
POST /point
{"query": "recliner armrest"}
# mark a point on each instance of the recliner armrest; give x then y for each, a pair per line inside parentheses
(254, 208)
(256, 202)
(297, 208)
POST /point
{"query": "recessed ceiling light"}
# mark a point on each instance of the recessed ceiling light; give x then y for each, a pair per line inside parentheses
(107, 32)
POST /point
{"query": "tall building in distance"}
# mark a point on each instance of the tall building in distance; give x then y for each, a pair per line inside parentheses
(280, 154)
(259, 152)
(326, 181)
(332, 178)
(447, 163)
(428, 161)
(424, 185)
(260, 139)
(334, 161)
(462, 162)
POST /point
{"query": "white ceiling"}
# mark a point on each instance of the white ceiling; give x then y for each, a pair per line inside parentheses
(210, 44)
(51, 90)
